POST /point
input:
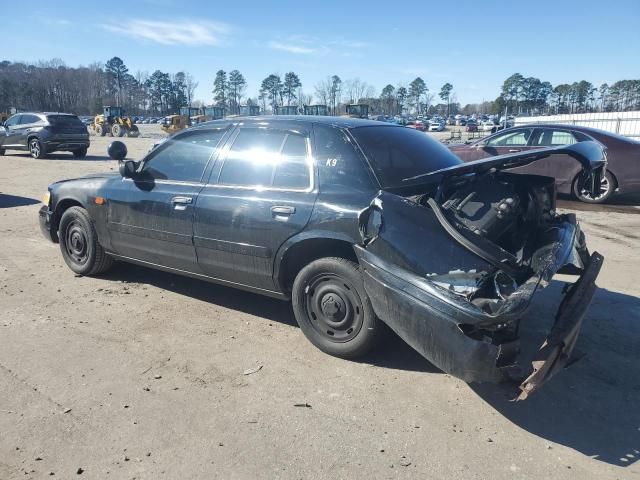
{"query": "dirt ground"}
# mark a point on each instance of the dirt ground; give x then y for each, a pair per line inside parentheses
(141, 374)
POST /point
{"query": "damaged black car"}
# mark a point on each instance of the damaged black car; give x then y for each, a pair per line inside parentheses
(356, 223)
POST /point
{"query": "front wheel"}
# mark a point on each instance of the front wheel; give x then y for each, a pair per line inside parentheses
(36, 149)
(79, 243)
(333, 309)
(607, 187)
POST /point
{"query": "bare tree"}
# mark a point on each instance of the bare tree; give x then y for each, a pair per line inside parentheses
(191, 85)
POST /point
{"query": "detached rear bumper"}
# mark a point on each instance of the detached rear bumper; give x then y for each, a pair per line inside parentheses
(469, 343)
(44, 216)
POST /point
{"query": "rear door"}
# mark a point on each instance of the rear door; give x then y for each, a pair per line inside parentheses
(562, 167)
(150, 218)
(260, 193)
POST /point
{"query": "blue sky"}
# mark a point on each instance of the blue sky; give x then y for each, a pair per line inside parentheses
(474, 45)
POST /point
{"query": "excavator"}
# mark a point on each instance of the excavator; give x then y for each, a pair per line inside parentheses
(210, 113)
(113, 122)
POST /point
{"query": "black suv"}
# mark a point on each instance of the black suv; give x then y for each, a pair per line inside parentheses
(42, 133)
(355, 221)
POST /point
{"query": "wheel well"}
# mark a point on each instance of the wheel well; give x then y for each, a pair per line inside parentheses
(302, 253)
(61, 207)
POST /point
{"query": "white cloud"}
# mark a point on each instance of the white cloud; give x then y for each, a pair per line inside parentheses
(187, 32)
(292, 48)
(308, 45)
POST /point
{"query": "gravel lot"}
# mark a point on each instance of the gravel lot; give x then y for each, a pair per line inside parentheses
(141, 374)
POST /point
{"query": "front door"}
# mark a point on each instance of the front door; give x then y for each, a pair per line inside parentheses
(12, 131)
(151, 216)
(261, 193)
(509, 141)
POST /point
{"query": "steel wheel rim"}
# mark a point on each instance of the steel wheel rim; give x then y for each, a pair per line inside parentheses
(333, 307)
(604, 190)
(76, 243)
(35, 148)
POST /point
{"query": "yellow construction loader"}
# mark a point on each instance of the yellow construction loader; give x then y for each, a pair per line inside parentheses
(113, 122)
(174, 123)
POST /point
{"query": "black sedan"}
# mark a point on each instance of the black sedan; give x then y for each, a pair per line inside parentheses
(356, 222)
(623, 157)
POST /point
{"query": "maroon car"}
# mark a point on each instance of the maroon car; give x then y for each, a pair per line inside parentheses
(623, 157)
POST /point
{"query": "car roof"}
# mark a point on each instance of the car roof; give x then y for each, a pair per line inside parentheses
(342, 122)
(579, 128)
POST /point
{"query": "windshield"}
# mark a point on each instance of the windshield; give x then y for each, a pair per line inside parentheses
(396, 154)
(64, 120)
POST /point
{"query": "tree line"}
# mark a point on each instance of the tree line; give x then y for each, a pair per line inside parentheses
(53, 86)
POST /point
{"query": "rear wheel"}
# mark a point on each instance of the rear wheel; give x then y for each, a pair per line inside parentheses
(133, 131)
(36, 149)
(79, 243)
(81, 153)
(1, 151)
(607, 186)
(100, 129)
(333, 309)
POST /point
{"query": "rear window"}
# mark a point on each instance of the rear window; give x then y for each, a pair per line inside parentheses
(398, 153)
(64, 120)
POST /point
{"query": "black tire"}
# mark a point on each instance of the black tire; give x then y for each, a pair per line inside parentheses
(609, 185)
(36, 149)
(101, 129)
(81, 153)
(79, 243)
(333, 309)
(118, 130)
(1, 151)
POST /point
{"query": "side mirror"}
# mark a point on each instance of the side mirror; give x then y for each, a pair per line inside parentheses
(128, 169)
(117, 150)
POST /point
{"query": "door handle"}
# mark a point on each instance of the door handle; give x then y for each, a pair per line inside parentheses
(182, 200)
(180, 203)
(283, 210)
(514, 150)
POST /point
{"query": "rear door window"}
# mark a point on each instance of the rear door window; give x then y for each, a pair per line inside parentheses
(267, 158)
(555, 138)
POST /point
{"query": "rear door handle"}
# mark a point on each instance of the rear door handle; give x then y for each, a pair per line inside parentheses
(283, 210)
(514, 150)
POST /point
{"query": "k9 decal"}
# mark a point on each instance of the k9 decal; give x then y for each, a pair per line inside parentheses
(331, 162)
